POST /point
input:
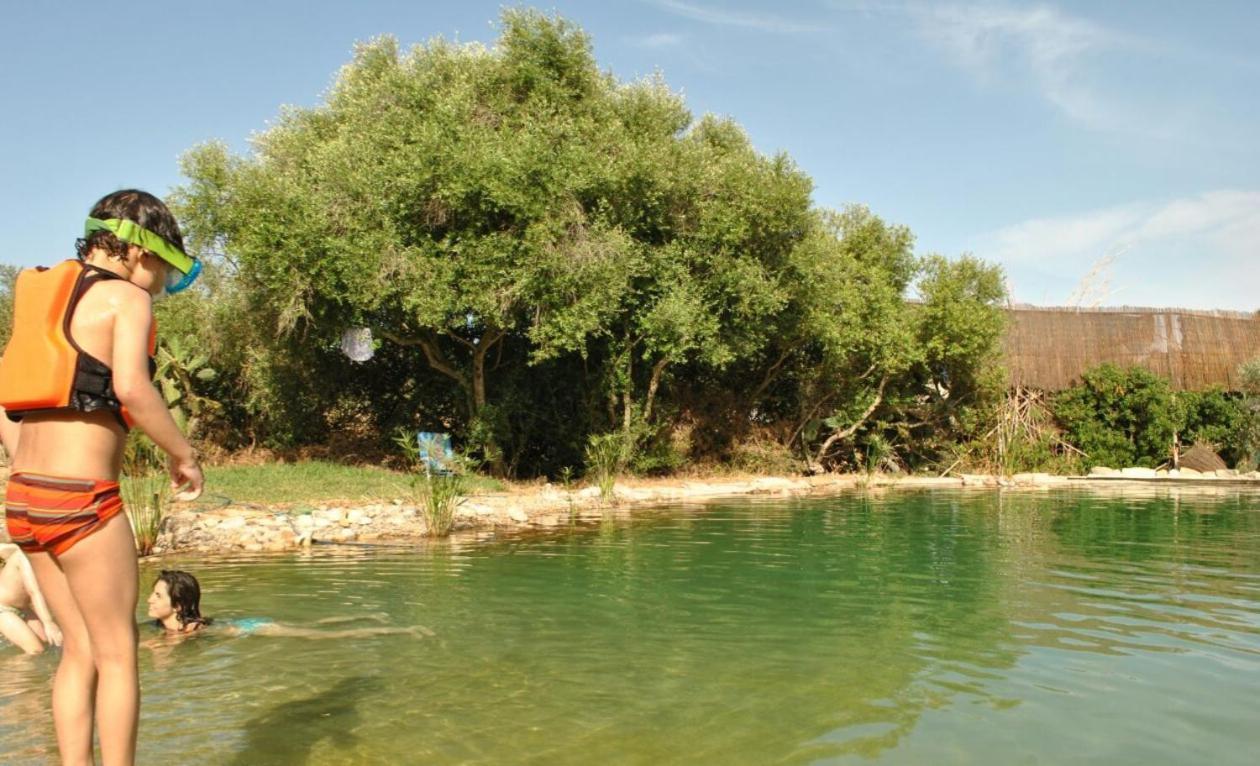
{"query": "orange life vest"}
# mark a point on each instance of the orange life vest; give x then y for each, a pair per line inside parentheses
(43, 369)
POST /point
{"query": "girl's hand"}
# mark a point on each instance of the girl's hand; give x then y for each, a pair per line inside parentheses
(186, 479)
(53, 632)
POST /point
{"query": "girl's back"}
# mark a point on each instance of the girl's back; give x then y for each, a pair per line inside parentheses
(97, 436)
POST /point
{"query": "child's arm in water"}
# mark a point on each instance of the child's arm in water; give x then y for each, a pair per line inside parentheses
(265, 627)
(52, 633)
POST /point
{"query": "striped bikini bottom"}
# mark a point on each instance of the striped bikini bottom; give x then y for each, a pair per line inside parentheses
(52, 513)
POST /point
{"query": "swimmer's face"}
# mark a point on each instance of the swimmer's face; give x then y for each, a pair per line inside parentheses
(160, 601)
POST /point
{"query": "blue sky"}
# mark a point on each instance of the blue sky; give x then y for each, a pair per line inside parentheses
(1056, 138)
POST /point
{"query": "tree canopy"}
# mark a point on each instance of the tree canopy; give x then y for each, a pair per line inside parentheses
(570, 254)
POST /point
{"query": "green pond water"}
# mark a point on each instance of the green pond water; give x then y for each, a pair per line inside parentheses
(906, 628)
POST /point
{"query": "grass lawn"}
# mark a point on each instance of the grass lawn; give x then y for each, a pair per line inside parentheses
(313, 482)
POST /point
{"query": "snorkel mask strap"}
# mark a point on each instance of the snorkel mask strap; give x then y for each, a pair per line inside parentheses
(132, 233)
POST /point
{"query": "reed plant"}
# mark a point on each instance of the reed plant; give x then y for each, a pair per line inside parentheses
(438, 490)
(606, 457)
(146, 495)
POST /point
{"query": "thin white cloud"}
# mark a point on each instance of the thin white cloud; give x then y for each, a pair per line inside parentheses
(1198, 251)
(1053, 48)
(658, 40)
(734, 18)
(1053, 51)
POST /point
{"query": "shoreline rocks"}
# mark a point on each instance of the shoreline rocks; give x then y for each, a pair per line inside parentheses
(252, 529)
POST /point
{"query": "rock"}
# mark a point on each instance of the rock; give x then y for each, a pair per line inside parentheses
(515, 513)
(1102, 470)
(978, 480)
(333, 515)
(1226, 473)
(588, 492)
(304, 521)
(1202, 458)
(1136, 472)
(356, 516)
(1252, 475)
(1188, 473)
(341, 535)
(232, 522)
(1031, 479)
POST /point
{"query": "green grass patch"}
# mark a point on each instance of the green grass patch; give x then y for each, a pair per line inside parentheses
(315, 481)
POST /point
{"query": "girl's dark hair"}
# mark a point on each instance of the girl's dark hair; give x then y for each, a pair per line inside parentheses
(185, 593)
(131, 205)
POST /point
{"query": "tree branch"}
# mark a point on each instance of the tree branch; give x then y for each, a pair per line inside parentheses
(432, 354)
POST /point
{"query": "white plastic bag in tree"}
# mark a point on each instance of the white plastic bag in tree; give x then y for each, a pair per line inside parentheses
(356, 343)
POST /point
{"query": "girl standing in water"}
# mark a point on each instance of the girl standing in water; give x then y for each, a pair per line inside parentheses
(76, 373)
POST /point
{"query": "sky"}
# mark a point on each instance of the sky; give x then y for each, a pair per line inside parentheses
(1102, 153)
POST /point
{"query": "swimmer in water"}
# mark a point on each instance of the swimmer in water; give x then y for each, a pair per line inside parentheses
(24, 616)
(175, 606)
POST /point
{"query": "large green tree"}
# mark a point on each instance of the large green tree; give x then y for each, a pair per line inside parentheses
(457, 199)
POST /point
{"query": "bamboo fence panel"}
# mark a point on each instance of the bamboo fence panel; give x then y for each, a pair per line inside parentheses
(1049, 348)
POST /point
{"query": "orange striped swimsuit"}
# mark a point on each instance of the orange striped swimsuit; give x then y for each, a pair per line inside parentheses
(52, 513)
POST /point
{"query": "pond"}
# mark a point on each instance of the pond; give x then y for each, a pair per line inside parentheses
(903, 628)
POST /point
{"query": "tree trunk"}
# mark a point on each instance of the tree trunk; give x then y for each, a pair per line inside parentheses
(851, 429)
(479, 351)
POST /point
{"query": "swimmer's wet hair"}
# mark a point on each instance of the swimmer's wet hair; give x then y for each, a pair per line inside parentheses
(185, 594)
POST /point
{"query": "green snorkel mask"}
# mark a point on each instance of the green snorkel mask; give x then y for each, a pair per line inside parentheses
(184, 268)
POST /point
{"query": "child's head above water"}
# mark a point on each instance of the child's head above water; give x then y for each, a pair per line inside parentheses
(175, 602)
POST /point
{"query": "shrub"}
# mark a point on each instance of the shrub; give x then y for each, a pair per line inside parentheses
(1021, 435)
(1247, 432)
(1120, 417)
(1213, 418)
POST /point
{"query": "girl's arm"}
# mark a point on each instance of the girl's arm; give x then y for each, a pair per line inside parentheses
(135, 390)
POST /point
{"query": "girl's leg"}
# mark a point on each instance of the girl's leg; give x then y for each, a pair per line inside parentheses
(75, 683)
(102, 573)
(14, 628)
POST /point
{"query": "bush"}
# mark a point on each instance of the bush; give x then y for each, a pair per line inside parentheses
(1021, 436)
(1120, 417)
(1213, 418)
(1247, 432)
